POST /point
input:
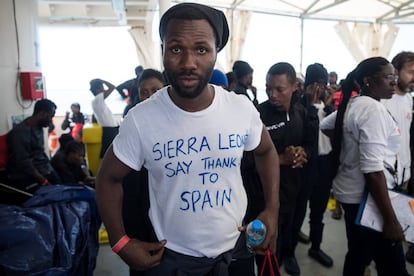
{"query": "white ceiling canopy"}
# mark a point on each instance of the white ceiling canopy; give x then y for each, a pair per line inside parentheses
(141, 12)
(398, 11)
(97, 12)
(367, 27)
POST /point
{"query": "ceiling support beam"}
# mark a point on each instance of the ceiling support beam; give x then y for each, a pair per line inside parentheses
(119, 8)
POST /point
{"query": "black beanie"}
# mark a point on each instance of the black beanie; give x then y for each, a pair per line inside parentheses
(315, 73)
(193, 11)
(241, 69)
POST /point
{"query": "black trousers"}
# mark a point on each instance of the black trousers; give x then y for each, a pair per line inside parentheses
(319, 197)
(315, 188)
(307, 180)
(366, 245)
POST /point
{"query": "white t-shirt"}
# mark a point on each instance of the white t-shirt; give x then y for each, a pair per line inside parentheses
(400, 107)
(193, 159)
(324, 143)
(102, 112)
(370, 137)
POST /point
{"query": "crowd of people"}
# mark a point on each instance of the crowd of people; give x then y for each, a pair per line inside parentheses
(197, 157)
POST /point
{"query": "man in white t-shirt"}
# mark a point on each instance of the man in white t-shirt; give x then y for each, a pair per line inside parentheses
(401, 107)
(191, 136)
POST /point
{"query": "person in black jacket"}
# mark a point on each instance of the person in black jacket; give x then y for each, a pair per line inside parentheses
(293, 130)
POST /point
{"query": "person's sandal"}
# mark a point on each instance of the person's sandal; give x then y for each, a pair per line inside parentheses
(337, 214)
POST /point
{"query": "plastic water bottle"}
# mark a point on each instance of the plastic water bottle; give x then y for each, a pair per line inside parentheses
(255, 234)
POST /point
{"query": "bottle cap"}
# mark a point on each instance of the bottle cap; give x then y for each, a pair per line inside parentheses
(257, 225)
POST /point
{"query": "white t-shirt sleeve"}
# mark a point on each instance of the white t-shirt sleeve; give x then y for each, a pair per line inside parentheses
(328, 122)
(127, 144)
(256, 128)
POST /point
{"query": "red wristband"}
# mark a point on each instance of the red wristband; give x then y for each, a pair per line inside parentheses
(120, 244)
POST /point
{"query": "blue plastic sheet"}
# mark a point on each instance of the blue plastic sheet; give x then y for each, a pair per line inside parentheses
(54, 233)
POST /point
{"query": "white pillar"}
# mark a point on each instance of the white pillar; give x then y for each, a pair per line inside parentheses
(20, 50)
(163, 5)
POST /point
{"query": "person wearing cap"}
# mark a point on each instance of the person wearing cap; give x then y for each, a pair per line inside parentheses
(190, 137)
(317, 182)
(244, 76)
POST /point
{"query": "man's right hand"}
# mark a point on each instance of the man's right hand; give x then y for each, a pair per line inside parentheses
(140, 255)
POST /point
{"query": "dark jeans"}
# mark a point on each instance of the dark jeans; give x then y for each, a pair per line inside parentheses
(233, 263)
(171, 266)
(366, 245)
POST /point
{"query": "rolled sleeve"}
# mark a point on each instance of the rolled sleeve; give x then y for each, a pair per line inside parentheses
(371, 157)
